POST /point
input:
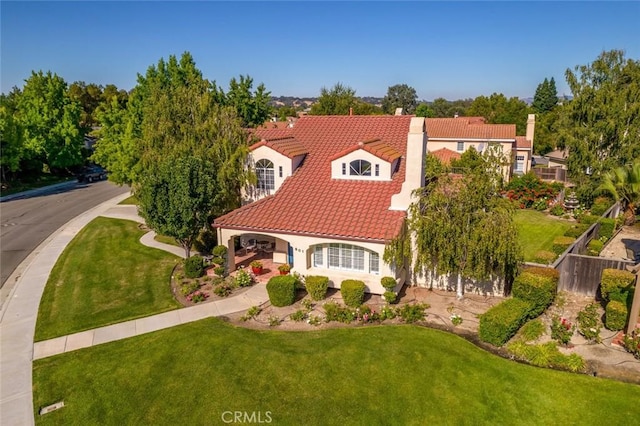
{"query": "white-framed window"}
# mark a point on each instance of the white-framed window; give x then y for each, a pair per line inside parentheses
(318, 259)
(374, 263)
(264, 172)
(519, 163)
(360, 168)
(460, 147)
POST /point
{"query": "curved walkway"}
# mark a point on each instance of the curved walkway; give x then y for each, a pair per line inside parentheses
(20, 311)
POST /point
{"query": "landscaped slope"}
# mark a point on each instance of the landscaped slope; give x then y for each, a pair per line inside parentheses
(537, 231)
(105, 276)
(193, 374)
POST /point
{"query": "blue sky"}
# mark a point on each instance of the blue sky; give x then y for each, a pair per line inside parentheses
(442, 49)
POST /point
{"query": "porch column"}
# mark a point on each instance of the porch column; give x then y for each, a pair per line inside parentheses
(635, 306)
(231, 255)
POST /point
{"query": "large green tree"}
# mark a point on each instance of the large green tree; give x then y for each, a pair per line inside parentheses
(11, 135)
(423, 110)
(400, 96)
(497, 109)
(252, 107)
(334, 101)
(178, 196)
(443, 108)
(50, 120)
(463, 227)
(546, 97)
(601, 124)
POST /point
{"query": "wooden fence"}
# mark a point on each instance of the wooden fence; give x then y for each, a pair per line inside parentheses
(551, 173)
(582, 274)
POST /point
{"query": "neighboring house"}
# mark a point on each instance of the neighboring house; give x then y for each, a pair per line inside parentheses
(558, 158)
(333, 190)
(456, 135)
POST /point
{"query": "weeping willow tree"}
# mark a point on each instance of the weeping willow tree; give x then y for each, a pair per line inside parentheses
(462, 226)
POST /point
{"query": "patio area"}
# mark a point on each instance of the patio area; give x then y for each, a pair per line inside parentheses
(269, 267)
(624, 244)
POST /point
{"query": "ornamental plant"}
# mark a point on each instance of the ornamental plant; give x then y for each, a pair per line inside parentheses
(538, 286)
(193, 267)
(243, 278)
(561, 330)
(389, 297)
(615, 315)
(389, 283)
(282, 290)
(316, 286)
(285, 267)
(455, 319)
(589, 324)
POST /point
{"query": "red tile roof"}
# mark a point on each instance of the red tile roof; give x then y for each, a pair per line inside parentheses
(287, 146)
(522, 142)
(311, 203)
(376, 147)
(468, 128)
(274, 125)
(445, 155)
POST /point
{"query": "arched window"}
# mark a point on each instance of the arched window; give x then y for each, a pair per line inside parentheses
(264, 171)
(360, 168)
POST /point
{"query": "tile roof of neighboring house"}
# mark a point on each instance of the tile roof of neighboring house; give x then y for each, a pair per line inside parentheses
(445, 155)
(522, 142)
(312, 203)
(468, 128)
(558, 155)
(287, 146)
(376, 147)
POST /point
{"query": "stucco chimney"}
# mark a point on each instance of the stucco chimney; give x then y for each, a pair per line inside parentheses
(531, 127)
(414, 164)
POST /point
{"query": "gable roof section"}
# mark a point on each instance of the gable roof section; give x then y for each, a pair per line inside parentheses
(445, 155)
(522, 142)
(468, 128)
(375, 146)
(287, 146)
(311, 203)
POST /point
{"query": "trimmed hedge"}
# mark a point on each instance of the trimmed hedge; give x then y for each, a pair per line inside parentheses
(193, 267)
(607, 227)
(560, 244)
(389, 283)
(588, 219)
(544, 257)
(615, 315)
(352, 292)
(538, 286)
(282, 290)
(600, 206)
(219, 251)
(594, 247)
(502, 322)
(576, 230)
(316, 286)
(615, 282)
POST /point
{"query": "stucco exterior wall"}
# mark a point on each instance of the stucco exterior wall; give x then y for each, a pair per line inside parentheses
(302, 248)
(287, 164)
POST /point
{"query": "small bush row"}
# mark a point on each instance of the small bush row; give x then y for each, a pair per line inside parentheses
(316, 286)
(352, 292)
(546, 355)
(538, 286)
(560, 244)
(410, 313)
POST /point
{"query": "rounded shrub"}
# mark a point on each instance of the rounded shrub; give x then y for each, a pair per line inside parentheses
(219, 251)
(615, 315)
(389, 283)
(352, 292)
(193, 267)
(576, 230)
(560, 244)
(282, 290)
(615, 282)
(588, 219)
(218, 260)
(600, 206)
(389, 296)
(503, 321)
(316, 286)
(544, 257)
(594, 247)
(607, 227)
(538, 286)
(219, 270)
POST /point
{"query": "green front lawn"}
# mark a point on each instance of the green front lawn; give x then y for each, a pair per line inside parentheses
(132, 200)
(105, 276)
(403, 375)
(538, 230)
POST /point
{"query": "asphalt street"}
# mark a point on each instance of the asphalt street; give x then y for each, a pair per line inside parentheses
(25, 222)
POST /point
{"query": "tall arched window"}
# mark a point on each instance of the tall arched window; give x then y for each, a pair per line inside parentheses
(360, 168)
(264, 171)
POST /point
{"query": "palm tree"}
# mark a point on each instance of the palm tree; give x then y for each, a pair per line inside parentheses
(623, 184)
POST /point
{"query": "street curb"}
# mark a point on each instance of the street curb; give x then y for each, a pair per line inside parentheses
(37, 191)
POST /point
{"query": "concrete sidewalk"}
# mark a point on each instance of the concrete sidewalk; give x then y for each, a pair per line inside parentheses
(19, 313)
(256, 295)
